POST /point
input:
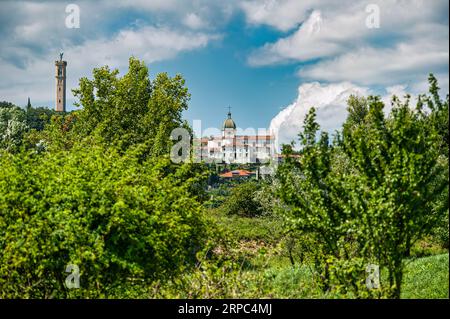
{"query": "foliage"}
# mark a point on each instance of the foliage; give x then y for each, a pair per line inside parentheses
(370, 197)
(217, 195)
(38, 117)
(5, 104)
(242, 200)
(266, 228)
(130, 110)
(58, 134)
(124, 223)
(16, 124)
(398, 185)
(13, 126)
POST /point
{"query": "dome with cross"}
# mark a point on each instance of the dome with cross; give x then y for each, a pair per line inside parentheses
(229, 123)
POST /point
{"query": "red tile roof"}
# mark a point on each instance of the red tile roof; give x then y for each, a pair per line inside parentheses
(236, 173)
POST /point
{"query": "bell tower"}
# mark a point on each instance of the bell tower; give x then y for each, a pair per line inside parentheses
(61, 65)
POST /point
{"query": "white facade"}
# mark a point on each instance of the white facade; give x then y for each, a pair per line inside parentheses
(232, 148)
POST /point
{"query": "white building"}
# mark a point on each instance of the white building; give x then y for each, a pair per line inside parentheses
(233, 148)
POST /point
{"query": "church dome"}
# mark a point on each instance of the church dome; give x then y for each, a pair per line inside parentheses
(229, 123)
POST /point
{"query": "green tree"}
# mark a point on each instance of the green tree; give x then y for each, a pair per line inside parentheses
(38, 117)
(13, 126)
(368, 198)
(5, 104)
(129, 110)
(243, 200)
(310, 189)
(397, 183)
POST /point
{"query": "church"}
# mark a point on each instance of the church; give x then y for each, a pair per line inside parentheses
(231, 148)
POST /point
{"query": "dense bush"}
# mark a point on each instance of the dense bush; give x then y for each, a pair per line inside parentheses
(242, 200)
(124, 223)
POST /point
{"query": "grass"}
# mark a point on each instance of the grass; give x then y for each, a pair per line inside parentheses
(267, 228)
(427, 277)
(264, 270)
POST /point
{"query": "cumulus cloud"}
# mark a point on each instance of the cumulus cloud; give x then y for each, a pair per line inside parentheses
(194, 21)
(283, 14)
(330, 102)
(385, 66)
(33, 39)
(308, 42)
(334, 44)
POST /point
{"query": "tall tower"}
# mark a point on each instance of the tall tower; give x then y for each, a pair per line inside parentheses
(60, 84)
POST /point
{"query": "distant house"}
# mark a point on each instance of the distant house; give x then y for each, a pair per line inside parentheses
(239, 173)
(233, 148)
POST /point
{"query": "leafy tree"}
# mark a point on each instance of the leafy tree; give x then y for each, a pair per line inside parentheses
(4, 104)
(310, 190)
(397, 183)
(129, 110)
(13, 126)
(242, 200)
(38, 117)
(370, 197)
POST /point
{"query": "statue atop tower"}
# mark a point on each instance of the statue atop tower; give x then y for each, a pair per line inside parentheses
(61, 65)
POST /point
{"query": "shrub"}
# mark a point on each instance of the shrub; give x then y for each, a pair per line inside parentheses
(242, 200)
(124, 224)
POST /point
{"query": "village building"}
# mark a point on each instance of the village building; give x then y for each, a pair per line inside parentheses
(231, 148)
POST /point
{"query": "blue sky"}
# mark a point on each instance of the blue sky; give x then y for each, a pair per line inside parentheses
(219, 77)
(270, 60)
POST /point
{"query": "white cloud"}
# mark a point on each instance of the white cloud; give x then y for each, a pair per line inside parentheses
(330, 102)
(152, 5)
(411, 42)
(148, 43)
(194, 21)
(310, 41)
(403, 63)
(285, 15)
